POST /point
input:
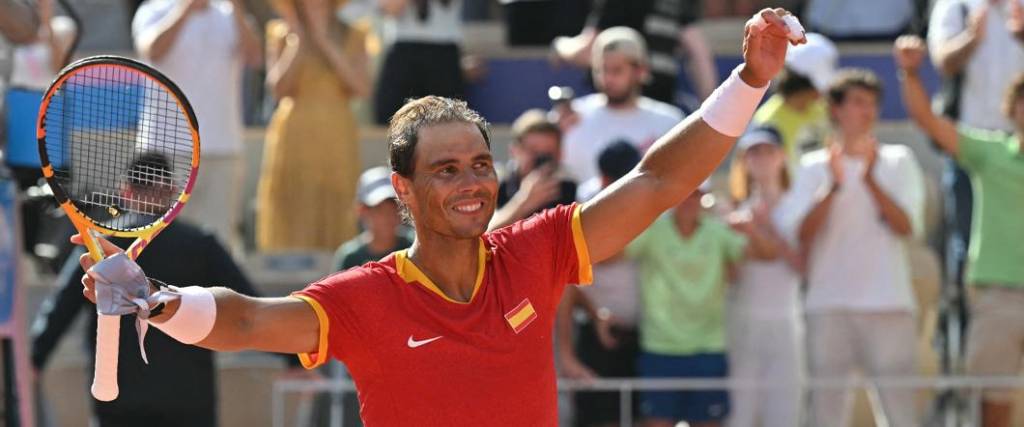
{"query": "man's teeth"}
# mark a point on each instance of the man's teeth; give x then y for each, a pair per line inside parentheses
(469, 208)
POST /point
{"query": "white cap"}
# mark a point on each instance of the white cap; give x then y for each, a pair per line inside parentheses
(375, 186)
(817, 60)
(624, 40)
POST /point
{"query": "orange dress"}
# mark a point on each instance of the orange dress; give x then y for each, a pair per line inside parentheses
(311, 163)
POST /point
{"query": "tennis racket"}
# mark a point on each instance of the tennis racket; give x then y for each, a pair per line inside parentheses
(119, 147)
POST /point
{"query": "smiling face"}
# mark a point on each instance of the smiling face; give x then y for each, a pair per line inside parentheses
(452, 191)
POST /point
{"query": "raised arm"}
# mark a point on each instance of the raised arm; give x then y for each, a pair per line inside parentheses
(239, 322)
(679, 161)
(909, 52)
(154, 40)
(952, 53)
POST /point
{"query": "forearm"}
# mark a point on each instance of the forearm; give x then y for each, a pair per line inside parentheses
(282, 67)
(700, 60)
(280, 325)
(247, 39)
(892, 214)
(18, 23)
(952, 56)
(515, 210)
(762, 245)
(915, 98)
(816, 218)
(349, 70)
(155, 44)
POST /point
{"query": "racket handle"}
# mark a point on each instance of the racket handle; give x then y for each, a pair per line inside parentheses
(104, 380)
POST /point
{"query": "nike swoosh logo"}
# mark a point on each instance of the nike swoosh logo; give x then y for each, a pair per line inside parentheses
(413, 343)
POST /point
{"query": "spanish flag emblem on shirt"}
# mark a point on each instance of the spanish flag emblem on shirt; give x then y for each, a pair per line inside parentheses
(521, 316)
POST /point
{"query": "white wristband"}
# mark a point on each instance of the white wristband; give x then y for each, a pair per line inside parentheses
(195, 316)
(729, 108)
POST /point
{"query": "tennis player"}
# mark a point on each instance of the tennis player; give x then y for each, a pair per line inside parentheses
(456, 330)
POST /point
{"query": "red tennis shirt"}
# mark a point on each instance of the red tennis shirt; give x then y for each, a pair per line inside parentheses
(419, 358)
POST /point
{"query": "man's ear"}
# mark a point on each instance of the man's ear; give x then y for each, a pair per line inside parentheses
(402, 186)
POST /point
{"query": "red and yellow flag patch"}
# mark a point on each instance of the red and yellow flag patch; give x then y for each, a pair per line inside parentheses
(521, 316)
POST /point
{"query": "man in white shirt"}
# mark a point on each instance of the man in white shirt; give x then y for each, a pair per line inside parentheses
(618, 112)
(201, 46)
(855, 205)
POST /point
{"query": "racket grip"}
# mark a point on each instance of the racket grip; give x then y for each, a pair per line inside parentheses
(104, 380)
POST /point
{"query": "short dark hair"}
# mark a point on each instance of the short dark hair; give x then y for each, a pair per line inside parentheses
(403, 131)
(150, 169)
(791, 83)
(535, 121)
(1013, 92)
(850, 78)
(617, 159)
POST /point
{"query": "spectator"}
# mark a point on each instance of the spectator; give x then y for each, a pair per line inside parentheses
(534, 180)
(684, 259)
(993, 160)
(382, 223)
(765, 335)
(607, 345)
(34, 65)
(797, 109)
(175, 36)
(424, 57)
(618, 111)
(178, 386)
(18, 24)
(856, 204)
(978, 47)
(668, 26)
(861, 20)
(316, 64)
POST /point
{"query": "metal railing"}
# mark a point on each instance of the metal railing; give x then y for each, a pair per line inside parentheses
(626, 386)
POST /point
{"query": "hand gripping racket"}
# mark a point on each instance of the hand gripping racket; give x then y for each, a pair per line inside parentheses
(119, 147)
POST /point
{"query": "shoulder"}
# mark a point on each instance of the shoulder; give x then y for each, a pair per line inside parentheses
(588, 103)
(348, 248)
(897, 153)
(149, 8)
(660, 109)
(367, 278)
(813, 159)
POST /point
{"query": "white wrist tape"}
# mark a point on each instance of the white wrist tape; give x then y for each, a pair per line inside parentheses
(729, 108)
(195, 316)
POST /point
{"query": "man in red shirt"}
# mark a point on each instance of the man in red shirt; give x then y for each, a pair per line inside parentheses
(455, 331)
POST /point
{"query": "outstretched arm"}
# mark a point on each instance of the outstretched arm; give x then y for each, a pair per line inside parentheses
(690, 152)
(909, 52)
(281, 325)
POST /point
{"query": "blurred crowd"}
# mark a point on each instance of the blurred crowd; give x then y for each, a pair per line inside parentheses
(794, 263)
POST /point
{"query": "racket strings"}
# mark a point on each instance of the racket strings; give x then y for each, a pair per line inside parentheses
(125, 144)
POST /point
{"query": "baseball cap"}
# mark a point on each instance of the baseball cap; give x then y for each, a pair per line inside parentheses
(817, 60)
(375, 186)
(759, 135)
(624, 40)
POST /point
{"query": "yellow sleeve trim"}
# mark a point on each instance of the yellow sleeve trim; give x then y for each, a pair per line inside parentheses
(311, 361)
(586, 273)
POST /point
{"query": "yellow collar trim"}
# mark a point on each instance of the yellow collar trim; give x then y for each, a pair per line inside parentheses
(410, 273)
